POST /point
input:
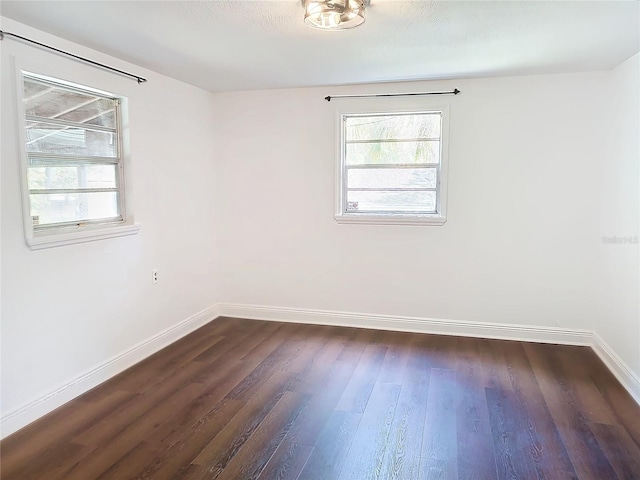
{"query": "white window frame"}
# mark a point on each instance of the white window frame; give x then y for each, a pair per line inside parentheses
(56, 236)
(382, 107)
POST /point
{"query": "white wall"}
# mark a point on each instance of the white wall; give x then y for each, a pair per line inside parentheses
(522, 236)
(619, 319)
(68, 310)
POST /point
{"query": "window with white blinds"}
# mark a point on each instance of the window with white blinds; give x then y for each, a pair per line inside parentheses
(73, 150)
(392, 167)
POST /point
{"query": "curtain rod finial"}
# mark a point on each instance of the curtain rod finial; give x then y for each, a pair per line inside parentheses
(328, 98)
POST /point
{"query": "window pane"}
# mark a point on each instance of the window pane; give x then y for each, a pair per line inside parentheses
(409, 202)
(77, 176)
(58, 103)
(76, 207)
(101, 113)
(31, 89)
(391, 178)
(390, 153)
(384, 127)
(56, 139)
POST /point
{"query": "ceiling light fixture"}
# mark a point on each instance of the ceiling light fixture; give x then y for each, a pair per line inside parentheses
(334, 14)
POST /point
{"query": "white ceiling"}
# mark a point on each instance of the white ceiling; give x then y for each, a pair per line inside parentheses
(240, 44)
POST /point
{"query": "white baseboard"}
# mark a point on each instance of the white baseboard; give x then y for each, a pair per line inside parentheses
(39, 407)
(499, 331)
(617, 366)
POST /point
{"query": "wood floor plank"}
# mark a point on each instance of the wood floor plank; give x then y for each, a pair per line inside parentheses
(288, 347)
(221, 377)
(192, 472)
(402, 457)
(288, 460)
(585, 390)
(175, 456)
(617, 398)
(356, 394)
(494, 366)
(132, 460)
(544, 443)
(211, 400)
(59, 426)
(323, 401)
(141, 379)
(512, 461)
(440, 351)
(114, 451)
(220, 427)
(439, 453)
(103, 431)
(620, 450)
(217, 454)
(583, 448)
(243, 342)
(476, 460)
(56, 461)
(311, 379)
(396, 358)
(246, 399)
(154, 368)
(360, 339)
(366, 455)
(261, 445)
(329, 452)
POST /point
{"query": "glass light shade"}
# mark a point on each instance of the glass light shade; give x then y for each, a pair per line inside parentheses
(334, 14)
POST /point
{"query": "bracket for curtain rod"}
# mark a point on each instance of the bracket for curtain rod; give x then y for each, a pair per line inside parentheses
(455, 91)
(77, 57)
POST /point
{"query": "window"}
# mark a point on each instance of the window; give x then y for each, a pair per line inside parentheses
(393, 167)
(73, 162)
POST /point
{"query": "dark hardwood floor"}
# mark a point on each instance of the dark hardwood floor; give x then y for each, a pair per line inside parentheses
(242, 399)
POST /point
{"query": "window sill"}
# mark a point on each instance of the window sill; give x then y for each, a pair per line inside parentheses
(50, 240)
(436, 220)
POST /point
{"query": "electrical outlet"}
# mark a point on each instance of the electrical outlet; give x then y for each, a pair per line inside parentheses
(154, 274)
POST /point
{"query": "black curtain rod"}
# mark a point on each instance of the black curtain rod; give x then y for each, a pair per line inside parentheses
(77, 57)
(452, 92)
